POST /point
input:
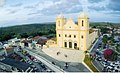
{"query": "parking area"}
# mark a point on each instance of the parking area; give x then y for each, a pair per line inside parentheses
(21, 61)
(101, 61)
(35, 64)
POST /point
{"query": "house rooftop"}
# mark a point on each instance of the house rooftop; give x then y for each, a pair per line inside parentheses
(36, 38)
(40, 37)
(9, 50)
(26, 41)
(17, 64)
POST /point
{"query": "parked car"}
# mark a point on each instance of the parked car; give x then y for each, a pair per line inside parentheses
(115, 70)
(35, 60)
(53, 63)
(43, 66)
(98, 58)
(39, 62)
(30, 63)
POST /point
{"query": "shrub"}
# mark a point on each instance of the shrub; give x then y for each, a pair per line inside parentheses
(110, 55)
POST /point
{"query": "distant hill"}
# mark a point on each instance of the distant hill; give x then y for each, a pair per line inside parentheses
(37, 29)
(28, 29)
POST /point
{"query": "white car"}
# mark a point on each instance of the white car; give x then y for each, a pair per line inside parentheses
(35, 60)
(117, 63)
(109, 67)
(33, 66)
(48, 70)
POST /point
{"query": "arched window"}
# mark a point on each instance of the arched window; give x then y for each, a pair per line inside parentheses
(65, 44)
(75, 45)
(70, 44)
(82, 23)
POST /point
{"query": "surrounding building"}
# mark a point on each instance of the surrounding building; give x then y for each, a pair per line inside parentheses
(75, 36)
(35, 42)
(9, 50)
(51, 43)
(2, 51)
(12, 65)
(14, 41)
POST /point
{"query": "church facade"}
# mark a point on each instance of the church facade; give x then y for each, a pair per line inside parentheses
(75, 36)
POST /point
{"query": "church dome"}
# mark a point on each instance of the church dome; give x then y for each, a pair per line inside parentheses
(83, 15)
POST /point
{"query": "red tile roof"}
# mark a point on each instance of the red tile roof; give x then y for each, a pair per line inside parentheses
(36, 37)
(9, 49)
(25, 41)
(41, 42)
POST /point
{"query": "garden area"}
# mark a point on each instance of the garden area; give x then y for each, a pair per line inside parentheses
(88, 61)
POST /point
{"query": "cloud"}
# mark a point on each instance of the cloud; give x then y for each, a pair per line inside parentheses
(95, 1)
(64, 6)
(38, 12)
(114, 5)
(13, 12)
(2, 2)
(17, 5)
(47, 10)
(100, 5)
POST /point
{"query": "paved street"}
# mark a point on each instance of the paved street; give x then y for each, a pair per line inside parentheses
(96, 45)
(73, 67)
(45, 61)
(36, 64)
(97, 64)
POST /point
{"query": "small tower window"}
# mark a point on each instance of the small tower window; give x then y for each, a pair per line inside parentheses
(59, 35)
(82, 36)
(58, 23)
(82, 23)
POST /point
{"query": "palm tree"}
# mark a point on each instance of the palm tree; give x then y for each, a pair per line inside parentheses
(105, 39)
(118, 47)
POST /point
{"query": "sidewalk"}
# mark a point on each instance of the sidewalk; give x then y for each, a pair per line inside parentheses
(67, 55)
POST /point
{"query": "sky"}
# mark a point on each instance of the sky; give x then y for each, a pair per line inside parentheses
(18, 12)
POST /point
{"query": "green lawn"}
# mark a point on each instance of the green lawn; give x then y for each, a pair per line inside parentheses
(88, 61)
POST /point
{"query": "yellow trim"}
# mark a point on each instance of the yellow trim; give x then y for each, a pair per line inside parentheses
(70, 30)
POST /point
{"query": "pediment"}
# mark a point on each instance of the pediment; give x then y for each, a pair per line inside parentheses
(70, 24)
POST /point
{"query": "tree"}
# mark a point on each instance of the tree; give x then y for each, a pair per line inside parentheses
(110, 55)
(105, 39)
(24, 35)
(117, 47)
(6, 37)
(104, 30)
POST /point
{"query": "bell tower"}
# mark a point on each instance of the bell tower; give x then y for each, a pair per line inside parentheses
(83, 24)
(60, 21)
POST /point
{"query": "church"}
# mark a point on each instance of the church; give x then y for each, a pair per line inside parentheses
(73, 35)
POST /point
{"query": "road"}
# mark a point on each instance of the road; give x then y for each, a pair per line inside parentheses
(97, 64)
(96, 45)
(27, 58)
(45, 61)
(73, 67)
